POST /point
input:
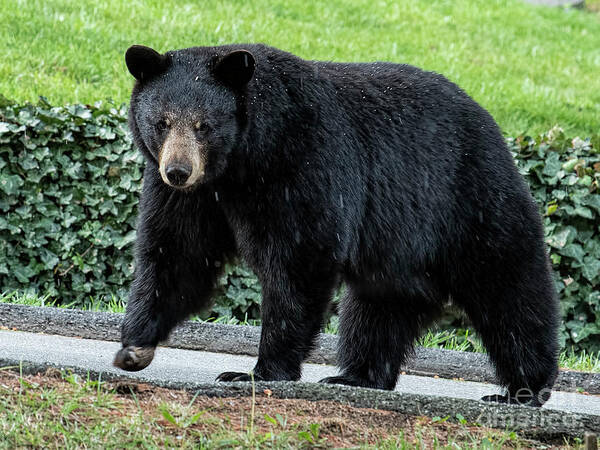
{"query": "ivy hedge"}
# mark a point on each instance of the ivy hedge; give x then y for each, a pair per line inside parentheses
(70, 180)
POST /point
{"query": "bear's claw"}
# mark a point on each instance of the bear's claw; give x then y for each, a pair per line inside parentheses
(507, 400)
(348, 380)
(237, 376)
(134, 358)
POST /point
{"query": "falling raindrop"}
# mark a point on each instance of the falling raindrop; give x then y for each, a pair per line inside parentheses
(216, 196)
(287, 194)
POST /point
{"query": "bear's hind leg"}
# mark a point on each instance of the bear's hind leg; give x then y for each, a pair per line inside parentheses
(376, 336)
(517, 318)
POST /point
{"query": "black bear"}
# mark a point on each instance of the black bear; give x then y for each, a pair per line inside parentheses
(382, 176)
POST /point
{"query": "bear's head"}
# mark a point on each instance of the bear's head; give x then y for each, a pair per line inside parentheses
(186, 111)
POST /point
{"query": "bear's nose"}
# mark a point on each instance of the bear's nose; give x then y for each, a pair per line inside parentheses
(178, 174)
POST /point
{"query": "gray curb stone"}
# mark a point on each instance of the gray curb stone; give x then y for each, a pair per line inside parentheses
(540, 423)
(555, 3)
(243, 340)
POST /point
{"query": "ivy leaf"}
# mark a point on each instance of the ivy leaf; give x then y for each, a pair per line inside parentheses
(553, 165)
(122, 241)
(10, 184)
(559, 239)
(574, 251)
(591, 268)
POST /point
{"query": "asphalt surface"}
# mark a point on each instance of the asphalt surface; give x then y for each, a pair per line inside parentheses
(187, 366)
(244, 340)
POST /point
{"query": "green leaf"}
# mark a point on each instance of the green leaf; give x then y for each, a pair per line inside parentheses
(22, 273)
(574, 251)
(270, 419)
(127, 239)
(583, 212)
(192, 420)
(167, 415)
(559, 239)
(591, 268)
(593, 201)
(49, 259)
(553, 165)
(10, 184)
(305, 435)
(570, 164)
(552, 207)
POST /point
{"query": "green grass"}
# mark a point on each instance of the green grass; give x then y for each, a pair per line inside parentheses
(460, 340)
(64, 410)
(32, 299)
(532, 67)
(115, 305)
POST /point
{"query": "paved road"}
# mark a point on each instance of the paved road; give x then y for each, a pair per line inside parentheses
(202, 367)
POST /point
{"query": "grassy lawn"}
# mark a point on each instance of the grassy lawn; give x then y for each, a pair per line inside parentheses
(61, 410)
(532, 67)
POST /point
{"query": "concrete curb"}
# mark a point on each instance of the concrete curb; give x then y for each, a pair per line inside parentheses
(562, 3)
(243, 340)
(535, 422)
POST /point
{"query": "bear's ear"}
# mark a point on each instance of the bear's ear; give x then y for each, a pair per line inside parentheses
(235, 69)
(144, 62)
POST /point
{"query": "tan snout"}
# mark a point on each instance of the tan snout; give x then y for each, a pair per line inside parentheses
(181, 159)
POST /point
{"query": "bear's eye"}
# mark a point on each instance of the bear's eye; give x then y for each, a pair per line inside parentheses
(162, 125)
(201, 127)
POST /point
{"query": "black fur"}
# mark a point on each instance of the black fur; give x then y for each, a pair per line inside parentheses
(381, 175)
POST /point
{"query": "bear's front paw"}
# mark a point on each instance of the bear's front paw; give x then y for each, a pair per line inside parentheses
(238, 376)
(134, 358)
